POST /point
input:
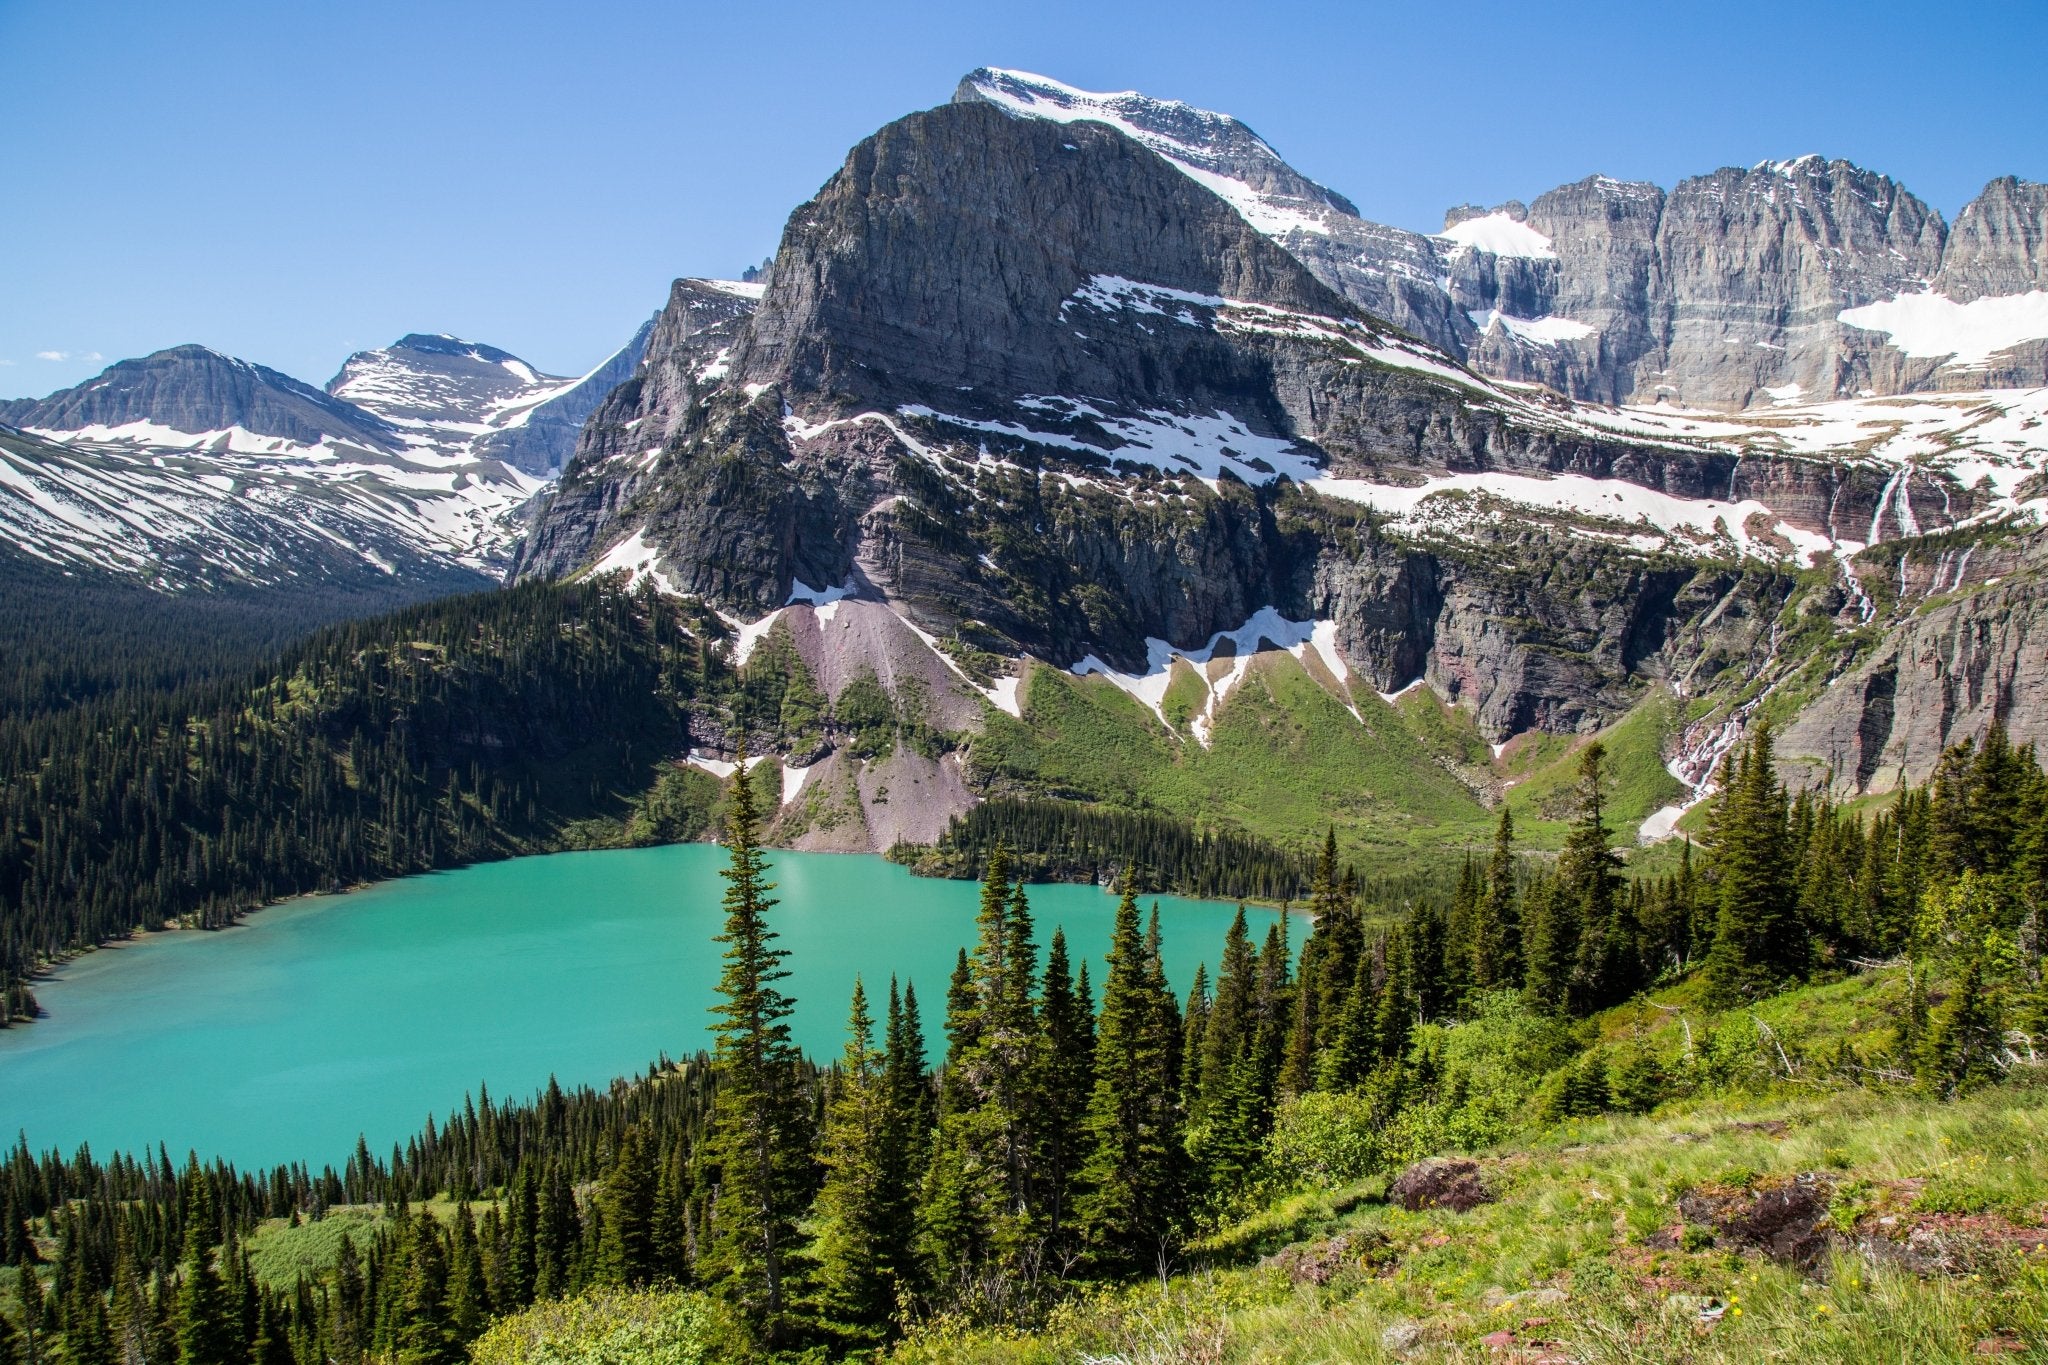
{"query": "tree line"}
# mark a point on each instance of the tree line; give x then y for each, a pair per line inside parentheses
(459, 731)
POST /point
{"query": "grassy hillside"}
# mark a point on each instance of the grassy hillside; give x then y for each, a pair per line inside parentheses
(1780, 1209)
(1400, 782)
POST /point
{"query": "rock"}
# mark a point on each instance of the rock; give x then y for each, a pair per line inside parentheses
(1943, 675)
(1400, 1338)
(1783, 1220)
(1441, 1184)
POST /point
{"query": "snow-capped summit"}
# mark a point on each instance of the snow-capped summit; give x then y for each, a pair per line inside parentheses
(194, 390)
(460, 397)
(1216, 150)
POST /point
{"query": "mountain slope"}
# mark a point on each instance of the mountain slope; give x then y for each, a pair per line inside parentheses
(190, 469)
(193, 391)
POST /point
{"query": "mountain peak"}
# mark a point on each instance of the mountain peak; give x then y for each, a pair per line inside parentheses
(196, 390)
(1217, 151)
(440, 343)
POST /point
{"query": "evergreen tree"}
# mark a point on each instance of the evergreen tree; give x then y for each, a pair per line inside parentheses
(1965, 1039)
(759, 1141)
(1066, 1061)
(627, 1255)
(424, 1335)
(1758, 940)
(1127, 1215)
(1550, 946)
(1496, 928)
(205, 1323)
(851, 1222)
(469, 1298)
(1588, 880)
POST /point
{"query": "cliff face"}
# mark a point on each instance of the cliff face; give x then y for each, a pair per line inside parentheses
(1032, 388)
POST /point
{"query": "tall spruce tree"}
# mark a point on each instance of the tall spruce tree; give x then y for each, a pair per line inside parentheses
(1066, 1077)
(758, 1150)
(1128, 1214)
(205, 1319)
(1588, 880)
(626, 1255)
(851, 1221)
(1496, 936)
(1759, 942)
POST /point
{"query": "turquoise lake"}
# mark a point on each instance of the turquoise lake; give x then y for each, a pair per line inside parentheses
(283, 1038)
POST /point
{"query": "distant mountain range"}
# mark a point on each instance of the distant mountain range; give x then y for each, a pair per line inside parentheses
(1787, 281)
(190, 468)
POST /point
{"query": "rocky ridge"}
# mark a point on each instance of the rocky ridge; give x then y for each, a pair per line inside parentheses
(1789, 280)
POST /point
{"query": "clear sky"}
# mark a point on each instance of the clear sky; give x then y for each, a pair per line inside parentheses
(291, 181)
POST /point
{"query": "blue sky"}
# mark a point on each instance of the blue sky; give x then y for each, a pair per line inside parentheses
(293, 181)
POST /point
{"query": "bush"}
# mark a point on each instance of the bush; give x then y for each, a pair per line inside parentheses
(611, 1327)
(1325, 1138)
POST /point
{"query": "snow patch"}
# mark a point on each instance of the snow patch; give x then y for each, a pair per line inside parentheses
(1201, 444)
(1969, 334)
(1701, 519)
(1499, 235)
(744, 289)
(1221, 675)
(1544, 331)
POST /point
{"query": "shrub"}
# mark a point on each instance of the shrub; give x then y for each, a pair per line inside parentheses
(610, 1327)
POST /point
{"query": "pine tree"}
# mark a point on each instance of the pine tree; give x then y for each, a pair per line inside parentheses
(1496, 928)
(469, 1297)
(1066, 1060)
(1964, 1043)
(1550, 946)
(1127, 1215)
(759, 1143)
(424, 1334)
(851, 1219)
(1759, 942)
(981, 1206)
(1588, 880)
(626, 1255)
(205, 1324)
(273, 1344)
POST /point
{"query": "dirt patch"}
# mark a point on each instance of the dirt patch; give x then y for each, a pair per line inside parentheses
(1317, 1262)
(1452, 1184)
(1782, 1219)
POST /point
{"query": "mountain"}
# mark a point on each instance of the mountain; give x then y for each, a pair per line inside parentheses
(1029, 416)
(1786, 281)
(191, 391)
(459, 397)
(190, 469)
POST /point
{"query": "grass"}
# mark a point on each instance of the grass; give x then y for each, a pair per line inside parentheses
(1577, 1261)
(1638, 782)
(280, 1253)
(1285, 757)
(1937, 1213)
